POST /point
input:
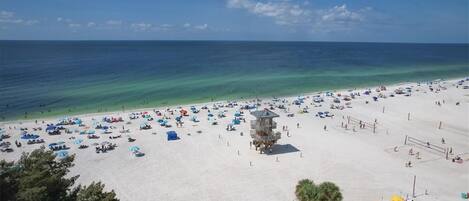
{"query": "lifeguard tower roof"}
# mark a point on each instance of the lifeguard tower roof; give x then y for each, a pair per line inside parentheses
(264, 114)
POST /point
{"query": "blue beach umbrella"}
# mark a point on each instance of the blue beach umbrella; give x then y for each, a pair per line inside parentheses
(134, 148)
(62, 154)
(51, 128)
(78, 141)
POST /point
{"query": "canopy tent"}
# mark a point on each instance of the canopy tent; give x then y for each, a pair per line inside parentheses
(172, 135)
(26, 136)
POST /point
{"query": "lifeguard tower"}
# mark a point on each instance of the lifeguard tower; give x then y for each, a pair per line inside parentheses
(262, 130)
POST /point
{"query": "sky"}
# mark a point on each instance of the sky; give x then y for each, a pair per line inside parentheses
(422, 21)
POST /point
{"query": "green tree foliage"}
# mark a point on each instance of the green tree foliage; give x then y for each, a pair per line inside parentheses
(328, 191)
(94, 192)
(306, 190)
(40, 176)
(8, 180)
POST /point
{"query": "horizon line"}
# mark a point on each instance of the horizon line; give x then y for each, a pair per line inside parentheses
(216, 40)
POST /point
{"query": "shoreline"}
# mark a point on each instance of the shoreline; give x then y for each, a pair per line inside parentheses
(140, 109)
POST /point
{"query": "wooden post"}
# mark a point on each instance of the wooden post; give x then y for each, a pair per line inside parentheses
(413, 187)
(348, 119)
(408, 116)
(439, 126)
(405, 141)
(447, 152)
(374, 128)
(383, 109)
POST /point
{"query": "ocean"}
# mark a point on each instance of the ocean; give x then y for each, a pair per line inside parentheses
(57, 78)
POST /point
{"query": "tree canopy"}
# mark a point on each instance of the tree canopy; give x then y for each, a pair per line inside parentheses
(40, 176)
(306, 190)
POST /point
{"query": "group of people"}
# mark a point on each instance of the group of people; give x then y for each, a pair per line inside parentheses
(104, 148)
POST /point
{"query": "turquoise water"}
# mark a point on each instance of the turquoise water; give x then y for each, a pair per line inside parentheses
(52, 78)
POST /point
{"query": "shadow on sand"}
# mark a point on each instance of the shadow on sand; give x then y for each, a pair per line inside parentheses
(282, 149)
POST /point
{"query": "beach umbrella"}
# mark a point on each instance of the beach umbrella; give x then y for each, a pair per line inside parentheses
(134, 148)
(397, 198)
(78, 141)
(78, 121)
(51, 128)
(62, 154)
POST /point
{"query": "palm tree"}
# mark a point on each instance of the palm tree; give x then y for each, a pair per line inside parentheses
(328, 191)
(306, 190)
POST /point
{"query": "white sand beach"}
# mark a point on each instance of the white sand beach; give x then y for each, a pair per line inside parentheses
(210, 163)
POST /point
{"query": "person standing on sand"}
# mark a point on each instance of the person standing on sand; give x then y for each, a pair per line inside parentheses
(325, 128)
(297, 125)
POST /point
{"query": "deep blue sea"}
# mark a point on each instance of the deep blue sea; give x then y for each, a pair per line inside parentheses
(53, 78)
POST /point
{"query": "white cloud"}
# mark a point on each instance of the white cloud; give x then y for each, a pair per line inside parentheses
(61, 19)
(11, 21)
(91, 24)
(286, 12)
(201, 27)
(339, 18)
(114, 22)
(140, 26)
(187, 25)
(74, 25)
(8, 17)
(283, 12)
(340, 14)
(6, 14)
(31, 22)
